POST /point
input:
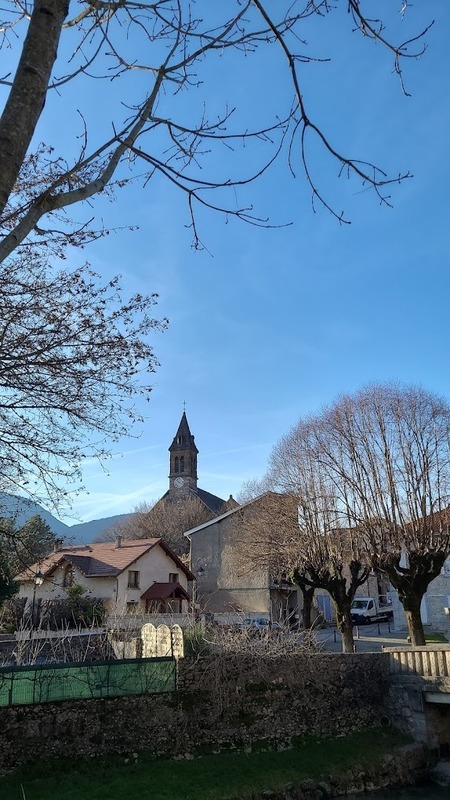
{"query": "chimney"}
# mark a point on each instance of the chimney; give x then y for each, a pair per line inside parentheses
(118, 542)
(59, 543)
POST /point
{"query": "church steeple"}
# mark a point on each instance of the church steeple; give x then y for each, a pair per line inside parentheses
(183, 460)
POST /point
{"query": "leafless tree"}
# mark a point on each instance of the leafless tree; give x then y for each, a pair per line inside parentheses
(265, 535)
(73, 353)
(152, 121)
(300, 535)
(253, 488)
(167, 518)
(387, 452)
(240, 640)
(322, 552)
(267, 526)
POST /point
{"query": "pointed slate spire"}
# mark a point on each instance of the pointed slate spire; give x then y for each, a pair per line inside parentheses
(183, 438)
(183, 460)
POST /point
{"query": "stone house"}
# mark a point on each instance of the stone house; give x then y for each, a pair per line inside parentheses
(232, 578)
(141, 575)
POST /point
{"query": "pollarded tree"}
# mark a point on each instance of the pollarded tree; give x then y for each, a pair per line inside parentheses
(387, 451)
(266, 535)
(128, 78)
(321, 551)
(74, 357)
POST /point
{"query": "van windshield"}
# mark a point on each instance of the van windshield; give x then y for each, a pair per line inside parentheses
(359, 604)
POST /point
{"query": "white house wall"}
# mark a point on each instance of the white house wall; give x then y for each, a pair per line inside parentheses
(438, 598)
(53, 589)
(153, 566)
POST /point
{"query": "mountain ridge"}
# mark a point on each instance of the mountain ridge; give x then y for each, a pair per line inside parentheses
(20, 509)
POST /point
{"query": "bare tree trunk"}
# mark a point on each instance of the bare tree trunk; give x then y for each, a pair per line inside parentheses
(412, 583)
(344, 623)
(348, 642)
(308, 596)
(29, 89)
(411, 604)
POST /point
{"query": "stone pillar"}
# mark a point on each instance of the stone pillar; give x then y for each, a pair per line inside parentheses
(148, 637)
(177, 641)
(163, 641)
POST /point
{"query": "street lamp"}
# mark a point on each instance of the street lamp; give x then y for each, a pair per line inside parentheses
(38, 580)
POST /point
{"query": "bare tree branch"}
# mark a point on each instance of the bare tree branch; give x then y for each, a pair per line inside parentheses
(173, 44)
(72, 355)
(377, 465)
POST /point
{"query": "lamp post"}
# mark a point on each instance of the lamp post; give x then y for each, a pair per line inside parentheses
(195, 603)
(38, 580)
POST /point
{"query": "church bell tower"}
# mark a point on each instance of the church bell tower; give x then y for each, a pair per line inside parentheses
(183, 461)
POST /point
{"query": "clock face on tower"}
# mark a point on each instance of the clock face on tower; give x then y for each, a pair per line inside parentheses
(178, 482)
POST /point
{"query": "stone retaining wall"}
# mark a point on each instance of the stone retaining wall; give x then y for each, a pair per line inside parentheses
(220, 702)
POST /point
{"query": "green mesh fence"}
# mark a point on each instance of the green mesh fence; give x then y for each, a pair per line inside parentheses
(49, 682)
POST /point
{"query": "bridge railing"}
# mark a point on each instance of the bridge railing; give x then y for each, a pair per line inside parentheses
(429, 661)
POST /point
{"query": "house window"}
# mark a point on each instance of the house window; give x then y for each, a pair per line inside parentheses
(174, 577)
(133, 579)
(68, 576)
(177, 468)
(132, 607)
(181, 463)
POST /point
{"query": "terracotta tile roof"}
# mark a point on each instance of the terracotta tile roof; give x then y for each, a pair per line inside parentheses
(162, 591)
(98, 559)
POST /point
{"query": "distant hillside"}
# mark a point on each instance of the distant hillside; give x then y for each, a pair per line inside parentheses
(21, 509)
(88, 531)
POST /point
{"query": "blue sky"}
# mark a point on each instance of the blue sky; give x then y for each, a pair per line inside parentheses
(271, 325)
